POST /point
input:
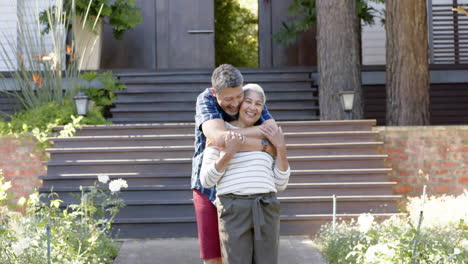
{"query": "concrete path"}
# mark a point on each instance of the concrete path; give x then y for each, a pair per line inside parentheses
(293, 250)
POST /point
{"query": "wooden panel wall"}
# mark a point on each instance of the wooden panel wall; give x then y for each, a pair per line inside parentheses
(449, 103)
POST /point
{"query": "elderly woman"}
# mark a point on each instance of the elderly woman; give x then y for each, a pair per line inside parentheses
(246, 184)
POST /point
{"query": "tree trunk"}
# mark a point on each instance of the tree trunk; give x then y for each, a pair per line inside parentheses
(407, 63)
(338, 57)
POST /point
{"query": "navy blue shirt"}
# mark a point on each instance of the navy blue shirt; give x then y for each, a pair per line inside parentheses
(207, 108)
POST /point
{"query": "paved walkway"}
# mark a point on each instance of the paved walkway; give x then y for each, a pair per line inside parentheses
(293, 250)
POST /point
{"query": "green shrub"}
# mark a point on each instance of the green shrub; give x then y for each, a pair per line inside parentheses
(79, 232)
(236, 34)
(104, 96)
(399, 239)
(40, 121)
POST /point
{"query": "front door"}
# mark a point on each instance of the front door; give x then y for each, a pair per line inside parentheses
(185, 34)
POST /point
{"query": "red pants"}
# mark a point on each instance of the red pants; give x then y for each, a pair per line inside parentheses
(207, 224)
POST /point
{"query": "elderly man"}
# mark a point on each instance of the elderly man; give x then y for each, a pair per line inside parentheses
(214, 106)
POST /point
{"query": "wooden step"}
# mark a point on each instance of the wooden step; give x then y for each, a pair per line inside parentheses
(133, 179)
(185, 164)
(334, 126)
(176, 192)
(303, 205)
(297, 176)
(186, 226)
(182, 116)
(142, 152)
(191, 98)
(291, 85)
(293, 138)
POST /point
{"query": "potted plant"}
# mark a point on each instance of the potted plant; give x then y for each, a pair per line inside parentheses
(85, 22)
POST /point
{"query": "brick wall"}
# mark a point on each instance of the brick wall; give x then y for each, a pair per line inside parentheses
(435, 155)
(21, 163)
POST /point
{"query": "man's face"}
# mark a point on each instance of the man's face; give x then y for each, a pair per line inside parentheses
(230, 99)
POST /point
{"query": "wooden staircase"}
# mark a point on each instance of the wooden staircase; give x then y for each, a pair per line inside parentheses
(341, 158)
(171, 96)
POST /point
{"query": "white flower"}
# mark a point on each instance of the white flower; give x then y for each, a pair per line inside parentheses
(365, 222)
(464, 244)
(102, 178)
(375, 253)
(33, 198)
(116, 185)
(21, 201)
(19, 246)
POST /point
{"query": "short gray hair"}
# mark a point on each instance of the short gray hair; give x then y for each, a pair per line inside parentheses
(253, 87)
(226, 76)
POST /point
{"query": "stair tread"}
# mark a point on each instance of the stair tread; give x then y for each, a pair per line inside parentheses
(185, 160)
(184, 175)
(165, 91)
(191, 110)
(191, 147)
(192, 102)
(343, 171)
(297, 199)
(192, 124)
(187, 186)
(166, 136)
(282, 217)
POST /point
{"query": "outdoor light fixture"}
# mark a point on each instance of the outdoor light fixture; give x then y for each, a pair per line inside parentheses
(81, 103)
(347, 100)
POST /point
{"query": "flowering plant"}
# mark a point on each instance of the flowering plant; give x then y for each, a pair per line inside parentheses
(79, 233)
(443, 238)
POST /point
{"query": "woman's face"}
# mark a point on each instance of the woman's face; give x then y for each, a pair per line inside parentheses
(251, 108)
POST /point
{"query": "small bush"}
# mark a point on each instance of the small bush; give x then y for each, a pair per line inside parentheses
(399, 239)
(40, 121)
(79, 232)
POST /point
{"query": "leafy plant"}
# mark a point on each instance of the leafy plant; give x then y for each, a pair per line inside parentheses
(236, 30)
(104, 95)
(443, 239)
(122, 15)
(305, 17)
(41, 121)
(79, 232)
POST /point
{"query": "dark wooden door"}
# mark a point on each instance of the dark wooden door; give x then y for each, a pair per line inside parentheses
(185, 34)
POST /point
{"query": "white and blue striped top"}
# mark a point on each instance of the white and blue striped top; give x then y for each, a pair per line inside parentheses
(247, 173)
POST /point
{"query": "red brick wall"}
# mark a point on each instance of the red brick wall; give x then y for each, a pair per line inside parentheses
(435, 155)
(21, 163)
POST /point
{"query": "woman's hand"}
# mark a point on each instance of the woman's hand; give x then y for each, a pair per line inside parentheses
(232, 142)
(275, 135)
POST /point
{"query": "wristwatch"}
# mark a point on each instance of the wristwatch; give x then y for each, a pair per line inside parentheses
(265, 144)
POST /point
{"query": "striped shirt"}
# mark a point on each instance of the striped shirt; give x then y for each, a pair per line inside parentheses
(207, 108)
(247, 173)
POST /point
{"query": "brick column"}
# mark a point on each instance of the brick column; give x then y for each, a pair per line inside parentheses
(21, 162)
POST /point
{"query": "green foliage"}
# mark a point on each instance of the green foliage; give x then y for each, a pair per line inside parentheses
(41, 121)
(305, 17)
(401, 239)
(236, 31)
(120, 14)
(80, 232)
(104, 96)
